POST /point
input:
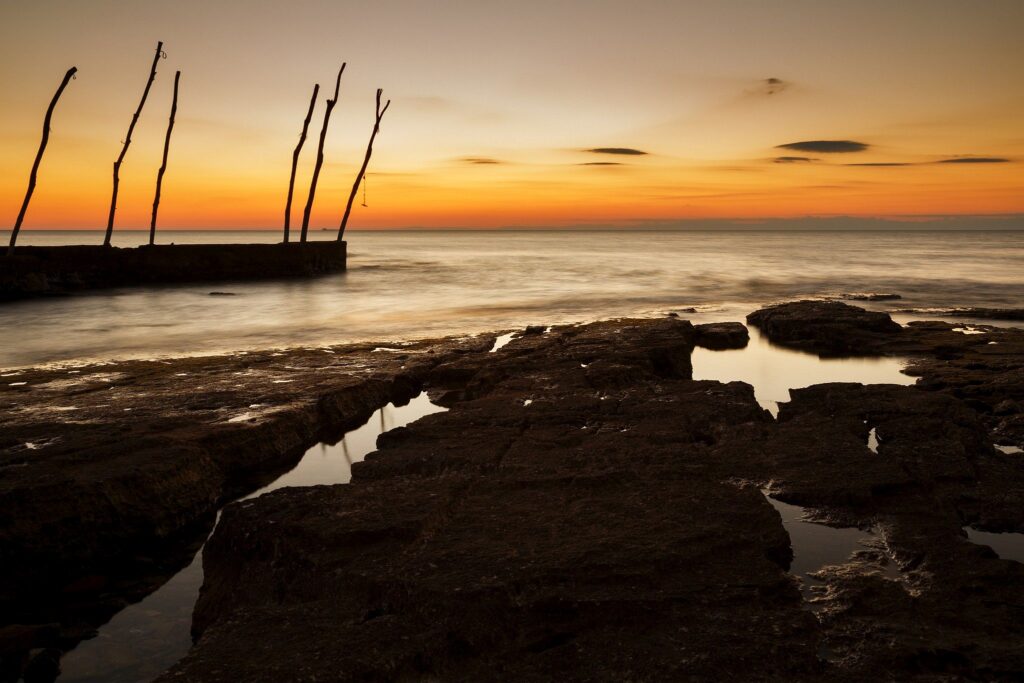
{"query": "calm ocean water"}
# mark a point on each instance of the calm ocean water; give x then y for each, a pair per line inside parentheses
(415, 284)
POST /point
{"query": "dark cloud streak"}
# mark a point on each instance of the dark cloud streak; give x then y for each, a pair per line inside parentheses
(826, 146)
(883, 163)
(975, 160)
(480, 161)
(794, 160)
(626, 151)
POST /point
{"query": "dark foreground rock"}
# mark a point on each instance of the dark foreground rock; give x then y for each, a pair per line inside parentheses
(586, 511)
(111, 473)
(41, 271)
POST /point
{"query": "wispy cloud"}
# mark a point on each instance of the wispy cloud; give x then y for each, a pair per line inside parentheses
(975, 160)
(883, 163)
(794, 160)
(602, 163)
(480, 161)
(825, 146)
(773, 86)
(951, 160)
(759, 91)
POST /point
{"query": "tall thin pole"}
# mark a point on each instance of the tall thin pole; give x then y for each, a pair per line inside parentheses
(319, 157)
(39, 157)
(366, 162)
(128, 141)
(163, 164)
(295, 162)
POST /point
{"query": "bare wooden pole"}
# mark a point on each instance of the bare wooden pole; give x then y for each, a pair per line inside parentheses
(366, 162)
(39, 157)
(128, 141)
(163, 164)
(319, 157)
(295, 162)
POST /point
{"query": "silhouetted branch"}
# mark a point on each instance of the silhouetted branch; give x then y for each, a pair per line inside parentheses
(295, 162)
(163, 164)
(128, 141)
(39, 157)
(319, 157)
(366, 162)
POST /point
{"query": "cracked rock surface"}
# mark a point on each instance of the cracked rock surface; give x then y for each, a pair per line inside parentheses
(585, 510)
(111, 473)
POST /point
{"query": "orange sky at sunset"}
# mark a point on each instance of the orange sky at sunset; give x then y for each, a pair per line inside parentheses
(498, 108)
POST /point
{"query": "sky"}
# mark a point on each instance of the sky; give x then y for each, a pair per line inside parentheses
(551, 113)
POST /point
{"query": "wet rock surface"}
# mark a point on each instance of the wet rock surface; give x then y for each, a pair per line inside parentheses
(584, 510)
(825, 327)
(970, 312)
(587, 511)
(110, 473)
(721, 336)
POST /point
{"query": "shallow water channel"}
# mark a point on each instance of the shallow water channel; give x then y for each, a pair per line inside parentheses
(146, 638)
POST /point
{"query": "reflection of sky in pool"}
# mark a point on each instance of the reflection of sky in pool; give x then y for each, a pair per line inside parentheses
(143, 640)
(818, 545)
(773, 370)
(1007, 546)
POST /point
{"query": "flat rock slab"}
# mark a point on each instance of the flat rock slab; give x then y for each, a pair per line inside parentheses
(560, 521)
(721, 336)
(587, 511)
(825, 327)
(970, 312)
(105, 464)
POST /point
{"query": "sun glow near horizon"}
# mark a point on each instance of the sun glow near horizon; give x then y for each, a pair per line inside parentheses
(558, 114)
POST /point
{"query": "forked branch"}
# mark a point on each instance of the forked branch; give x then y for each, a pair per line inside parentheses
(366, 162)
(128, 141)
(320, 157)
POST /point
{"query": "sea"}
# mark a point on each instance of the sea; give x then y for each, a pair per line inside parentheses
(405, 284)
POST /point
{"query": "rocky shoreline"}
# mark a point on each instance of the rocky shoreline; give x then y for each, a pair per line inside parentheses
(584, 510)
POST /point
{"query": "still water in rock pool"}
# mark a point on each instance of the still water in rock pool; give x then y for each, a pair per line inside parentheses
(773, 370)
(817, 545)
(1008, 546)
(145, 639)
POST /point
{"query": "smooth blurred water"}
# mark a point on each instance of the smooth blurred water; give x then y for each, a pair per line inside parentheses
(403, 284)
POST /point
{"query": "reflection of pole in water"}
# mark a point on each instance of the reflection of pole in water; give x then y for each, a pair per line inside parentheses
(323, 449)
(344, 452)
(382, 427)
